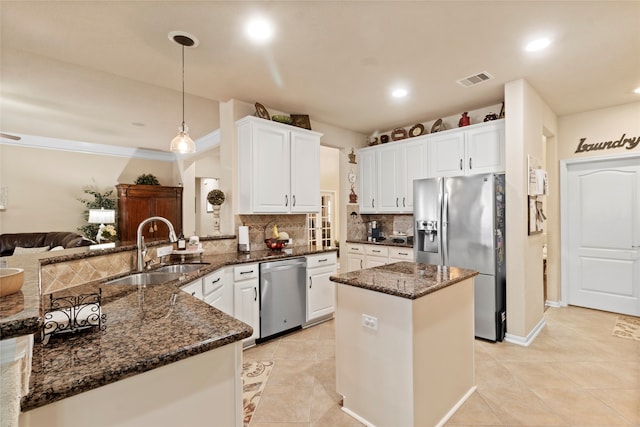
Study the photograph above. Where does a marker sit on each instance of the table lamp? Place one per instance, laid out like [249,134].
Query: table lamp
[101,216]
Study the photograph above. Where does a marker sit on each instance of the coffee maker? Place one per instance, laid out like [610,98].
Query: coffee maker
[374,231]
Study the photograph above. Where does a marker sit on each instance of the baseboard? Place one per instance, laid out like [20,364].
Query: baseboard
[526,341]
[555,304]
[357,417]
[457,406]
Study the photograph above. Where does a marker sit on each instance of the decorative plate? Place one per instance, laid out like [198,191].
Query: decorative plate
[262,112]
[398,133]
[437,126]
[384,139]
[416,130]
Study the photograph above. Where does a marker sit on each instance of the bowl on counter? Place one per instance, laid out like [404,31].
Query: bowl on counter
[11,280]
[275,244]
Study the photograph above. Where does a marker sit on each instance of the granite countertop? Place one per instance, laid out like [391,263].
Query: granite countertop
[387,242]
[143,331]
[405,279]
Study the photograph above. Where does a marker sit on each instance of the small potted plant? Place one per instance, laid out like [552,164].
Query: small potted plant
[147,179]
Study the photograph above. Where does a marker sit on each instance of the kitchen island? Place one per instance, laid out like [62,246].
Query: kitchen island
[404,343]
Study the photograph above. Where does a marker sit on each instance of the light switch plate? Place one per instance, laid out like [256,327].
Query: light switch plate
[164,250]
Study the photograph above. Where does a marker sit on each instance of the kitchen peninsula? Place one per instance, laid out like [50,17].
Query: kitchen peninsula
[404,343]
[164,357]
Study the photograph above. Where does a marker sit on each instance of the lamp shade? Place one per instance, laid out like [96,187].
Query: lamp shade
[183,143]
[102,216]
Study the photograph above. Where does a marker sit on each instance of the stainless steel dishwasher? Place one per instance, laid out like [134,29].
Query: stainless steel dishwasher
[283,297]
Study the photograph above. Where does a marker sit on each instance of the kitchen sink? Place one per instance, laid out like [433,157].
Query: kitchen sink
[154,278]
[180,268]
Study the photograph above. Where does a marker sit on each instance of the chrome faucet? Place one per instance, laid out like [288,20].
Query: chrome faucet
[142,248]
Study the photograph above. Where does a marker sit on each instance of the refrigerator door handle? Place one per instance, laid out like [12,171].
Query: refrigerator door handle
[445,230]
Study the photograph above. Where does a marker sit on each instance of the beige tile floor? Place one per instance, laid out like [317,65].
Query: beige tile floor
[574,374]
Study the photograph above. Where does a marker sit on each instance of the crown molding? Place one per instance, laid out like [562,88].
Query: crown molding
[205,143]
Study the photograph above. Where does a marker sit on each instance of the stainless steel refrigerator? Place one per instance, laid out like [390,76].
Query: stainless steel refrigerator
[459,222]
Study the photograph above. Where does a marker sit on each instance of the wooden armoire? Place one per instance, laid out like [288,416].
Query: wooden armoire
[139,202]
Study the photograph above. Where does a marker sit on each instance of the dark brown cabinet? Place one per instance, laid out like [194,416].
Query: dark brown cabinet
[139,202]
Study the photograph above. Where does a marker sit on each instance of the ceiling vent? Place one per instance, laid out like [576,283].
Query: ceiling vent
[475,79]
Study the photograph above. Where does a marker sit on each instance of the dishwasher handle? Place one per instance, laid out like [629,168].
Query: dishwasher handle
[288,264]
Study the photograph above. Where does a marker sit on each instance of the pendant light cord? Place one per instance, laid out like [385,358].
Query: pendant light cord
[182,88]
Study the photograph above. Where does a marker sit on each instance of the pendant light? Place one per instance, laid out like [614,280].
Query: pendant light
[182,143]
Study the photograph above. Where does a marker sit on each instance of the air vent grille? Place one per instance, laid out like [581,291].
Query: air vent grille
[475,79]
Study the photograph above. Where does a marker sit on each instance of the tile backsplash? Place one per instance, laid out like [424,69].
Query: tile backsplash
[357,223]
[260,226]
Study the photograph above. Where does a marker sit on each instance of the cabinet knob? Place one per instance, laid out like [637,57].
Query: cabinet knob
[294,200]
[286,200]
[470,163]
[255,294]
[397,205]
[460,164]
[310,282]
[404,205]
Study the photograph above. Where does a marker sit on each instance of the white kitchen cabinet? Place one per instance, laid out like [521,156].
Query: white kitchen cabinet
[355,257]
[397,254]
[368,180]
[194,289]
[246,298]
[375,255]
[278,168]
[217,289]
[485,148]
[321,292]
[468,151]
[387,173]
[361,256]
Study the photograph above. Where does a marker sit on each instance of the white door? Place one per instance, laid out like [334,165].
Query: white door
[604,235]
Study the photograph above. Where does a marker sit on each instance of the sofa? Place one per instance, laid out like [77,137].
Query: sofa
[41,242]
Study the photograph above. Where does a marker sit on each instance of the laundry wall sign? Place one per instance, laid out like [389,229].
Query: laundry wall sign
[627,142]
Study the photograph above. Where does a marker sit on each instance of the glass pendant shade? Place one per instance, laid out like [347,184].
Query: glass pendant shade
[182,143]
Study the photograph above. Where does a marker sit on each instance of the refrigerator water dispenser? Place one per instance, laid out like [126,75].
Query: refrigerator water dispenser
[427,235]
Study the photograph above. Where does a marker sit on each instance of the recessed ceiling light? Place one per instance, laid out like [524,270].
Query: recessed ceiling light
[259,30]
[637,90]
[537,45]
[399,93]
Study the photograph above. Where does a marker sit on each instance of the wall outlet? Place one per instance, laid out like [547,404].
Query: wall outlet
[164,250]
[370,322]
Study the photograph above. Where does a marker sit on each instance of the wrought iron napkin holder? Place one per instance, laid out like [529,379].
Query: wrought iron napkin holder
[70,314]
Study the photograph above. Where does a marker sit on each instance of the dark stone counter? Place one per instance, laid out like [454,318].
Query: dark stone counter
[405,279]
[143,329]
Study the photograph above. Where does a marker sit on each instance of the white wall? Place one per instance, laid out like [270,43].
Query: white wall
[44,185]
[528,118]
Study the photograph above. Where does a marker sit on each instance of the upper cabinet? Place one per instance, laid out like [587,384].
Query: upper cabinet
[278,168]
[468,151]
[387,171]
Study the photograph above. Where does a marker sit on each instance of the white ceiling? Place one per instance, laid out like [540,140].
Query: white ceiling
[106,72]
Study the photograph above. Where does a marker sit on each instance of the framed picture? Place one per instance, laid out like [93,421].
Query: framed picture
[301,121]
[262,112]
[536,216]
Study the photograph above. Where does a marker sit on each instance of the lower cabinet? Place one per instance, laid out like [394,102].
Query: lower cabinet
[321,292]
[217,290]
[361,256]
[246,298]
[355,257]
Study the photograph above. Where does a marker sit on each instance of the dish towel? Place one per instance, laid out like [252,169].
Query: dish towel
[15,370]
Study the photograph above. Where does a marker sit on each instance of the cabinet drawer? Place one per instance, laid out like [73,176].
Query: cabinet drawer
[353,248]
[194,288]
[244,272]
[375,250]
[327,258]
[213,282]
[405,254]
